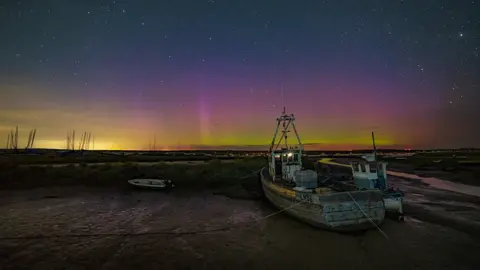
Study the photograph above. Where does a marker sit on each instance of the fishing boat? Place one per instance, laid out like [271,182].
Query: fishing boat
[297,191]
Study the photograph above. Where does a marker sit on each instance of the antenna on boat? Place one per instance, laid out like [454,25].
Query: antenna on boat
[374,147]
[284,123]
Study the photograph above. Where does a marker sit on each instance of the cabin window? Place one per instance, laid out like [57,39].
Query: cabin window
[362,168]
[354,167]
[295,157]
[373,168]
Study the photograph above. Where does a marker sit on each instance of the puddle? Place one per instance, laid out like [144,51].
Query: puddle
[441,184]
[415,198]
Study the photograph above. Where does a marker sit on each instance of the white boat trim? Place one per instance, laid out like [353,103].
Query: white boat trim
[151,183]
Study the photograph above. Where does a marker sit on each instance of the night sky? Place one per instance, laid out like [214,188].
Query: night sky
[209,73]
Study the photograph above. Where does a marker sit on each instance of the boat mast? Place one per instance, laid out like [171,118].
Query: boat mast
[285,121]
[374,147]
[284,132]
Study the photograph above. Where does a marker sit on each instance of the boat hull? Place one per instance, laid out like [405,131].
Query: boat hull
[148,183]
[337,211]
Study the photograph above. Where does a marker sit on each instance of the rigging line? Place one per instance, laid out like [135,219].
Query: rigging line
[226,228]
[376,226]
[137,234]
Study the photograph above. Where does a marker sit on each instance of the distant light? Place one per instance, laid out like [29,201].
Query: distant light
[290,154]
[461,34]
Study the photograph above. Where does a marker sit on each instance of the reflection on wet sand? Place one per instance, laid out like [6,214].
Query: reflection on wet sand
[441,184]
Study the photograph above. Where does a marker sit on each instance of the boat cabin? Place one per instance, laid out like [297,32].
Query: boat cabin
[369,174]
[284,163]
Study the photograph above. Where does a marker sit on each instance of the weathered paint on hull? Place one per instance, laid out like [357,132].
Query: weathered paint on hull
[336,211]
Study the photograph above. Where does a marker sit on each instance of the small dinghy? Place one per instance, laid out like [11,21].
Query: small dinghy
[151,183]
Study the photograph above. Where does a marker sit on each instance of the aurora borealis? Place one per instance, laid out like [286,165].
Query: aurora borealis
[208,73]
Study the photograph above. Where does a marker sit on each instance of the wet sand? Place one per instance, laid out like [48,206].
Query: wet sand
[91,228]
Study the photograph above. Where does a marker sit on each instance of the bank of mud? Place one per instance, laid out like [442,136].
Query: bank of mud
[93,228]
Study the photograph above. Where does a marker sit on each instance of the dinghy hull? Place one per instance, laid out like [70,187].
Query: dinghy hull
[150,183]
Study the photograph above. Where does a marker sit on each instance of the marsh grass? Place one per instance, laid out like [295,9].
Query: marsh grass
[87,157]
[214,174]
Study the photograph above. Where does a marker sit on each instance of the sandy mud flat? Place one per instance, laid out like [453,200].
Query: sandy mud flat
[92,228]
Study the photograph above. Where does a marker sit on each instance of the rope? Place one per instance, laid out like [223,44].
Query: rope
[142,233]
[226,228]
[364,213]
[374,224]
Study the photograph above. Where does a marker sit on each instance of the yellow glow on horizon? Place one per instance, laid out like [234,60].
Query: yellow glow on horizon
[133,142]
[136,133]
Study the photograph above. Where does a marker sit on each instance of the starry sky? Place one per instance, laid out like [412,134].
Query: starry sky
[200,74]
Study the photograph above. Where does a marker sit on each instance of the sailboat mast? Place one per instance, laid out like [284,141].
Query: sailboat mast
[374,147]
